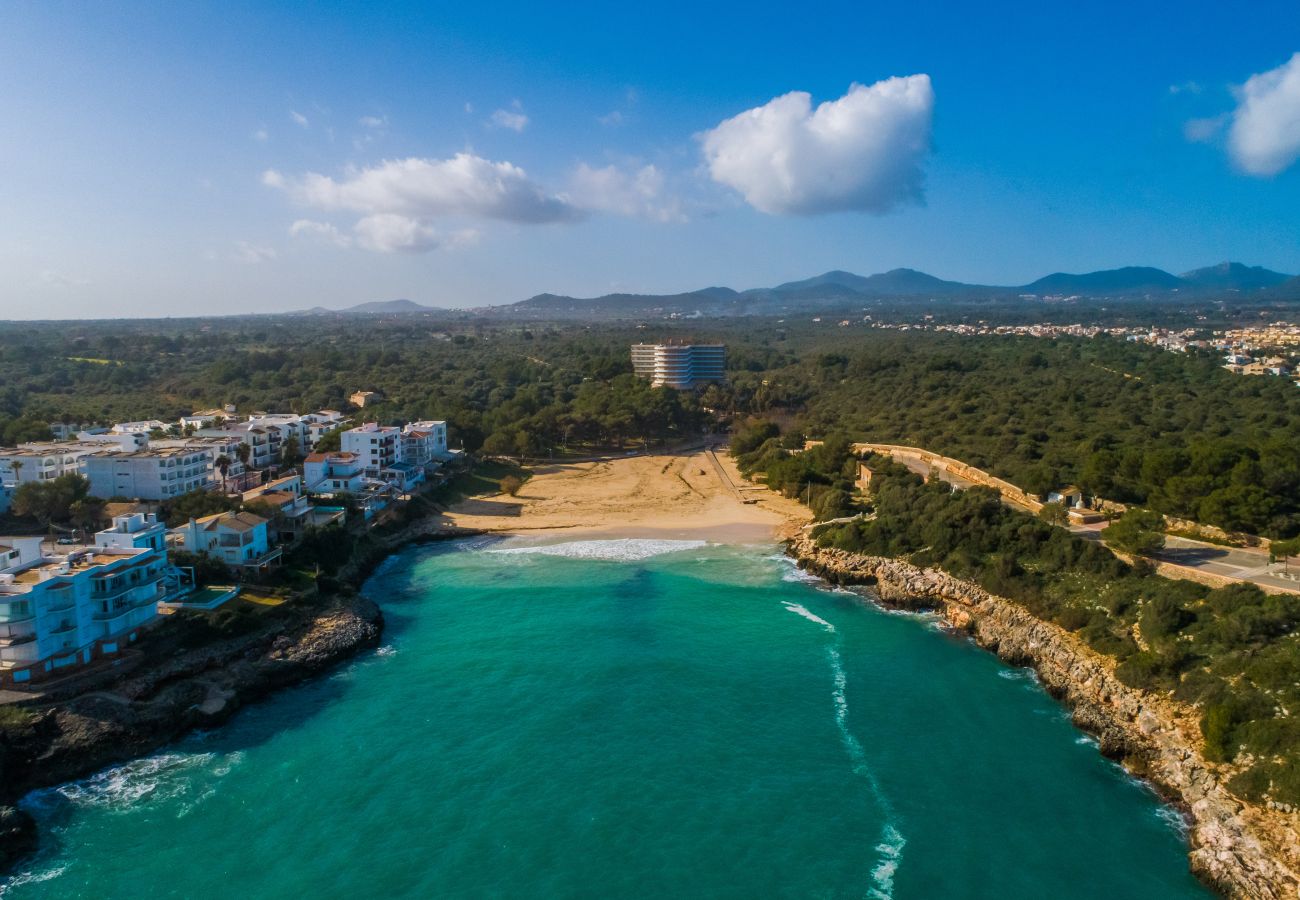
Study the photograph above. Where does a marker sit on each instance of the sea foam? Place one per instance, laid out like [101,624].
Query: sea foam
[799,610]
[616,550]
[122,787]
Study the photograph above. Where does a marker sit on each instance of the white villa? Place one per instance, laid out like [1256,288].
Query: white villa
[239,539]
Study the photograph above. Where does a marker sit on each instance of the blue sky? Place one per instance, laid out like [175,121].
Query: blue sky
[181,159]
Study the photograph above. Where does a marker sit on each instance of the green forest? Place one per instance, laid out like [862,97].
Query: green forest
[1126,422]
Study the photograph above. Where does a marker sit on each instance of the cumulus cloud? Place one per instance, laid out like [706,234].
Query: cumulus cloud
[392,233]
[298,118]
[862,152]
[261,135]
[322,231]
[514,119]
[1264,138]
[612,189]
[465,185]
[373,121]
[253,254]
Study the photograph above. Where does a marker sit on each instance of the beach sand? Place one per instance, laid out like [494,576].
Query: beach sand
[693,495]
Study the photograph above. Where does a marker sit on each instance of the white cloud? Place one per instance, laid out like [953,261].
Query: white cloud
[373,121]
[1265,135]
[253,253]
[465,185]
[261,135]
[611,119]
[51,278]
[512,119]
[622,192]
[862,152]
[322,231]
[1187,87]
[391,233]
[298,118]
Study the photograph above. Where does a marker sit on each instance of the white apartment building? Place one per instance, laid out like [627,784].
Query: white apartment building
[44,461]
[58,611]
[424,442]
[237,476]
[260,452]
[207,418]
[142,427]
[153,474]
[319,423]
[280,427]
[680,365]
[378,447]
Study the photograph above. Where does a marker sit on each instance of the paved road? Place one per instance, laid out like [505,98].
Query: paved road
[1239,563]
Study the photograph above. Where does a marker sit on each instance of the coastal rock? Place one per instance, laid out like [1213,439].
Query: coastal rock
[18,836]
[1239,848]
[200,688]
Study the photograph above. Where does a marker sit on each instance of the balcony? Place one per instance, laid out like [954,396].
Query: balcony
[100,596]
[17,632]
[28,651]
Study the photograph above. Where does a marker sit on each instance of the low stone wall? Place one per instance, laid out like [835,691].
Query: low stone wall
[958,468]
[1241,849]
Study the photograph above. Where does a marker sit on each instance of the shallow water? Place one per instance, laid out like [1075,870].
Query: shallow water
[625,719]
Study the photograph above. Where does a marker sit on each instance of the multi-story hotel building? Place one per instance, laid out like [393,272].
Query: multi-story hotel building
[680,365]
[150,474]
[62,610]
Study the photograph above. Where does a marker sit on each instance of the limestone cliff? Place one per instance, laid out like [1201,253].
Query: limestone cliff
[1242,849]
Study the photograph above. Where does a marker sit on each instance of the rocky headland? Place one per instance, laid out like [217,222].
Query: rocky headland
[1239,848]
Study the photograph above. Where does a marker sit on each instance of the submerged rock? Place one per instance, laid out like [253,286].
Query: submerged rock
[18,836]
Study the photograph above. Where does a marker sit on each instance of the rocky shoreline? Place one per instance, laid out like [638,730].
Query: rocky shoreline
[197,689]
[1240,849]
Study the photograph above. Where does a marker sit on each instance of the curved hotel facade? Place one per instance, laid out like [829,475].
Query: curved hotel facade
[681,366]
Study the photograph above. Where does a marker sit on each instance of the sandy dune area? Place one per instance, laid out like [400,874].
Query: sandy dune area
[692,495]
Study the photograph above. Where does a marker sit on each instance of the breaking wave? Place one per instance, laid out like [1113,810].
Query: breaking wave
[889,851]
[616,550]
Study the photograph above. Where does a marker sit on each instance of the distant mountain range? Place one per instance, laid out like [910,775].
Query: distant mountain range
[373,308]
[840,289]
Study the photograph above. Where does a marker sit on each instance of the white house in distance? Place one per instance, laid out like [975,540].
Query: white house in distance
[239,539]
[153,474]
[58,611]
[142,427]
[319,423]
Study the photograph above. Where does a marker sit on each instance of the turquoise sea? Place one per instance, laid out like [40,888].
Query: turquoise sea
[624,719]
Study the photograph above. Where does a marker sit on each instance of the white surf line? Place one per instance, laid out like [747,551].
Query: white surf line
[889,852]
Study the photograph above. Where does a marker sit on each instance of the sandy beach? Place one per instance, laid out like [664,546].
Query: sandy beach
[696,495]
